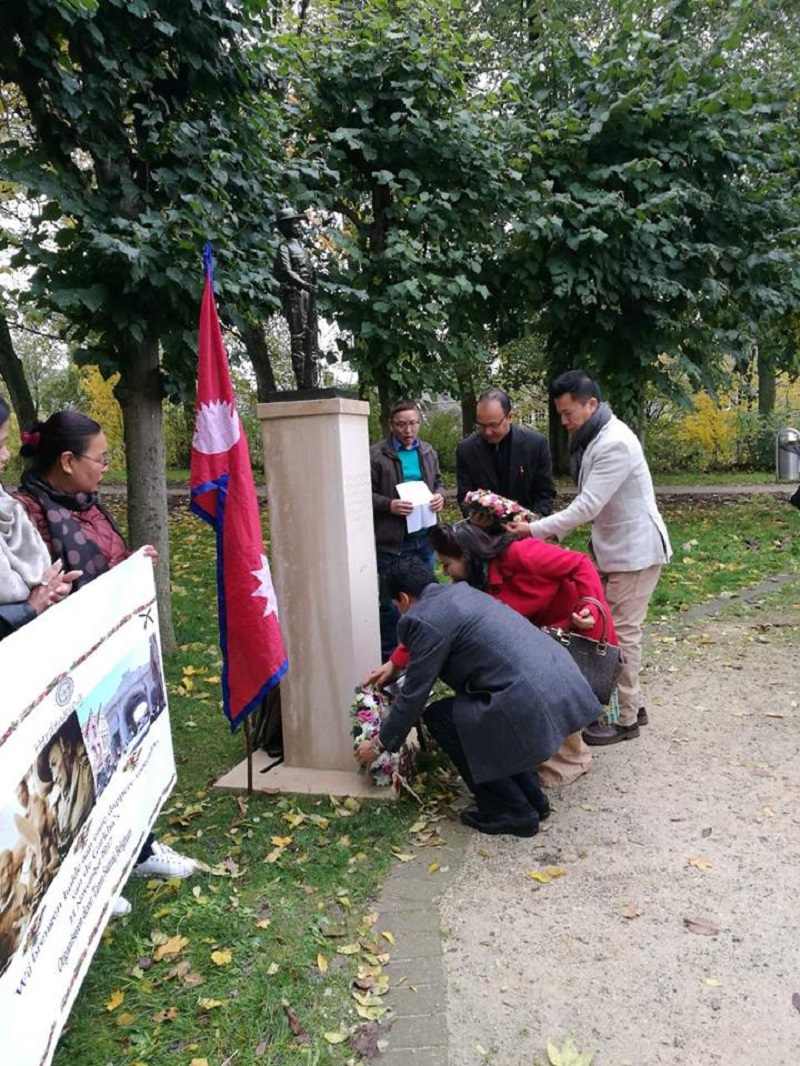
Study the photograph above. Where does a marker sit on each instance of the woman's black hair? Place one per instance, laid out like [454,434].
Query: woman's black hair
[5,412]
[64,431]
[474,545]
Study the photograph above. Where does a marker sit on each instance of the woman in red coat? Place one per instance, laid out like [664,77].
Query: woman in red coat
[542,581]
[67,457]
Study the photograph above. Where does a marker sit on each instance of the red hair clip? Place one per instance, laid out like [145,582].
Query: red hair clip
[31,439]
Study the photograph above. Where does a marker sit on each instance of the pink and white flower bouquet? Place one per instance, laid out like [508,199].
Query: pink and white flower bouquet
[490,505]
[368,710]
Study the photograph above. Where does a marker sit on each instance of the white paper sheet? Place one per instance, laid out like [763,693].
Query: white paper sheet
[418,493]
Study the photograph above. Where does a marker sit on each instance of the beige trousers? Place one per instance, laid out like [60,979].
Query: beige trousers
[628,594]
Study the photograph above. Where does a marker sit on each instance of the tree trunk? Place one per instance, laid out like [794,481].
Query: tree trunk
[140,396]
[255,342]
[13,375]
[469,403]
[766,382]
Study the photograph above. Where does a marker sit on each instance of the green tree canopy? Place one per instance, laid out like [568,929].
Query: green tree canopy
[411,181]
[147,131]
[660,166]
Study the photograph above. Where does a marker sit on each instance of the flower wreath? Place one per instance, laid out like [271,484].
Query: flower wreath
[368,711]
[491,505]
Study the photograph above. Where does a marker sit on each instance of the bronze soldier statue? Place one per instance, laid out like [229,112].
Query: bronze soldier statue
[295,272]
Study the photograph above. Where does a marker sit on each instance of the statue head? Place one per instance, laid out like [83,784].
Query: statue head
[288,221]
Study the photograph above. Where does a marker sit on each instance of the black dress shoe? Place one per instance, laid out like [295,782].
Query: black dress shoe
[610,734]
[494,825]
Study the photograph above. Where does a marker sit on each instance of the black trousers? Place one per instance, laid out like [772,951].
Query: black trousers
[517,796]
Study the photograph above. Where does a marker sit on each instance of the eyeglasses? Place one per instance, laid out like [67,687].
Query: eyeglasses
[102,461]
[490,425]
[406,425]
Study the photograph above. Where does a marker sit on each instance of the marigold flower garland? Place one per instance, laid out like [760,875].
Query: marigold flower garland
[368,710]
[491,505]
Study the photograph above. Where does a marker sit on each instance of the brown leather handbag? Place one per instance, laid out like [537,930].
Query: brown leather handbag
[600,662]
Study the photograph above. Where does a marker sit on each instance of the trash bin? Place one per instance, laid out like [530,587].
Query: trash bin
[787,454]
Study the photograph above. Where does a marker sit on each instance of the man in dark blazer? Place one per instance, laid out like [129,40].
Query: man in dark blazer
[505,458]
[518,694]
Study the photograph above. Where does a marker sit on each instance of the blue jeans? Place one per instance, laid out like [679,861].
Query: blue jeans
[389,615]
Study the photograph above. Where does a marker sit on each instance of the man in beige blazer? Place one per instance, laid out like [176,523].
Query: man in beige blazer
[629,539]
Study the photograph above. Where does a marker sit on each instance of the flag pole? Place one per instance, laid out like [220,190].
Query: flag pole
[248,740]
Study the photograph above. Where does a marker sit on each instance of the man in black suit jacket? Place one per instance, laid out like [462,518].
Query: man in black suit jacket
[505,458]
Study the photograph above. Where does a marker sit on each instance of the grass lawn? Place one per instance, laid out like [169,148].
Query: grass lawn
[254,962]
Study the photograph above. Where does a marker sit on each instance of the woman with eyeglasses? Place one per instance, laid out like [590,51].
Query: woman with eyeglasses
[67,456]
[29,582]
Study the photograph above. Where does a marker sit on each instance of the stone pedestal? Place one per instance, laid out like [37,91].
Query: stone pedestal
[322,552]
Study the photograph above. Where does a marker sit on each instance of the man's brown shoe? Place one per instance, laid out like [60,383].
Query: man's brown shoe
[610,734]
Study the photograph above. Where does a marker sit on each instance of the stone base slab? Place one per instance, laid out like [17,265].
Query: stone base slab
[304,781]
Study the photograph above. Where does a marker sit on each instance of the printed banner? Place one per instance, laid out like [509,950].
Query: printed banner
[85,765]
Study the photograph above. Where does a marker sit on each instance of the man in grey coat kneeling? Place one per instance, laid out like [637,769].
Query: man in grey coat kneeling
[517,694]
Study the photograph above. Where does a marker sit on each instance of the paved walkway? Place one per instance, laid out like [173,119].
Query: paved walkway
[768,487]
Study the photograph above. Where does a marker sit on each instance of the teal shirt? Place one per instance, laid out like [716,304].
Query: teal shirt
[409,460]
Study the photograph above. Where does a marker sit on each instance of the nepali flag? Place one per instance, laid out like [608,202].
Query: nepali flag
[224,494]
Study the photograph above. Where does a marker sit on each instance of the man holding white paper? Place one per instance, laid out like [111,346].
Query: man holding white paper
[406,497]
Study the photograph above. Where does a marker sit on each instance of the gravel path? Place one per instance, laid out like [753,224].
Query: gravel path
[667,932]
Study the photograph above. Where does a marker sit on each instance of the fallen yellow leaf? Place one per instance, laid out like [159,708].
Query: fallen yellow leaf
[712,981]
[221,958]
[263,923]
[388,936]
[434,866]
[272,969]
[174,946]
[322,964]
[699,863]
[568,1055]
[544,877]
[335,1038]
[280,842]
[125,1018]
[210,1004]
[349,949]
[115,1000]
[370,1013]
[293,820]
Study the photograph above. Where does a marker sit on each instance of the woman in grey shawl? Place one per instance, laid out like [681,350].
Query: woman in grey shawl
[29,582]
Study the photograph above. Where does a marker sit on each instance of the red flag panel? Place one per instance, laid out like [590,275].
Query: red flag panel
[223,493]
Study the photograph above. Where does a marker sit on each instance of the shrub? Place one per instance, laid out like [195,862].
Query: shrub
[442,429]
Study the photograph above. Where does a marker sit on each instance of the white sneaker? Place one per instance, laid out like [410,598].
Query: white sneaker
[120,907]
[166,863]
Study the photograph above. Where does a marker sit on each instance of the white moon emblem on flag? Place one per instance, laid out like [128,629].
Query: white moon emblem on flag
[217,428]
[266,589]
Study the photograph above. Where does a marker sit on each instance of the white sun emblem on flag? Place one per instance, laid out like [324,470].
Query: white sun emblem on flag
[217,428]
[265,587]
